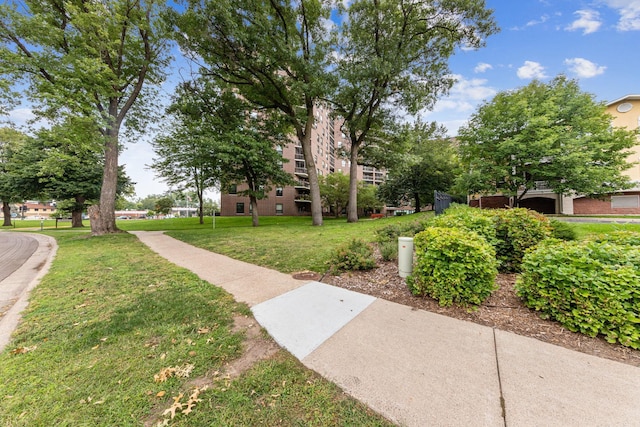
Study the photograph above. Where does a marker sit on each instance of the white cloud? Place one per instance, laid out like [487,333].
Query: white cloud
[531,70]
[629,11]
[482,67]
[588,21]
[542,20]
[584,68]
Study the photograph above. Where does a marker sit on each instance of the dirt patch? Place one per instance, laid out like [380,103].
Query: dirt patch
[257,346]
[503,310]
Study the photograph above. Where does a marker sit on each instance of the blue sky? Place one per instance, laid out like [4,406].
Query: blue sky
[592,41]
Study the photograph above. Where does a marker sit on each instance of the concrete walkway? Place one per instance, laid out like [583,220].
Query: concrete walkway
[24,259]
[418,368]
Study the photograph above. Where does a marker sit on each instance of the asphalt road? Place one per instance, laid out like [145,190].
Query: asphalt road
[15,249]
[24,259]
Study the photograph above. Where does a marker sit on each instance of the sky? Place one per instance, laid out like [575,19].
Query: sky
[591,41]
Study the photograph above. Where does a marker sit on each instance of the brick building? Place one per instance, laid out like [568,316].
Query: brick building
[327,144]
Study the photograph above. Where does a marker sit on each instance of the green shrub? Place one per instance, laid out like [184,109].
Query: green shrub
[388,250]
[387,237]
[561,230]
[590,287]
[627,238]
[453,266]
[354,255]
[470,219]
[516,230]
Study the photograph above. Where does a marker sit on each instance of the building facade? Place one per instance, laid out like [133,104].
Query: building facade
[329,146]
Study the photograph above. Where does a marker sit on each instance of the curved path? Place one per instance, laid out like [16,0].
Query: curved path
[24,260]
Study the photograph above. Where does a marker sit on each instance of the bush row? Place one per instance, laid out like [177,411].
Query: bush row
[592,286]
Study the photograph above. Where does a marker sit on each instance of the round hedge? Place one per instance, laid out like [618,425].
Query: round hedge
[589,287]
[453,266]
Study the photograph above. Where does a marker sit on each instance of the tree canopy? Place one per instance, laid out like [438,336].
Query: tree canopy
[420,160]
[275,54]
[85,59]
[551,133]
[394,55]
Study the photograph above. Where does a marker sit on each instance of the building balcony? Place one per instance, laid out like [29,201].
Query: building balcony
[302,172]
[303,198]
[302,185]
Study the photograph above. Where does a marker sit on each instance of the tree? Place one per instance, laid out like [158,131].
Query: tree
[394,54]
[187,154]
[163,206]
[334,189]
[217,139]
[427,162]
[90,59]
[274,54]
[553,133]
[368,199]
[63,163]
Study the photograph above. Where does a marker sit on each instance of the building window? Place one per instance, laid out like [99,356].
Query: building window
[624,202]
[233,189]
[279,209]
[239,208]
[279,191]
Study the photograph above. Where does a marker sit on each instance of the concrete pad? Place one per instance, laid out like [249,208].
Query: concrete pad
[304,318]
[547,385]
[20,282]
[247,283]
[416,368]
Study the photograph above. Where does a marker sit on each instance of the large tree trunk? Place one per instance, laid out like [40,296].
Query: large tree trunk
[416,197]
[103,217]
[255,217]
[305,140]
[6,213]
[352,206]
[76,213]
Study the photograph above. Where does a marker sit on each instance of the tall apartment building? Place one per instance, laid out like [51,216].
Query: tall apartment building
[328,143]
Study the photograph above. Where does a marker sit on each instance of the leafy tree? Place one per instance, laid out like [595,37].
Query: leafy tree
[85,58]
[334,189]
[368,199]
[394,54]
[274,54]
[427,162]
[64,162]
[220,139]
[550,132]
[163,206]
[187,154]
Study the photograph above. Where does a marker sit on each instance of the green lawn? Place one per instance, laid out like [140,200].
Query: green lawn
[110,315]
[286,244]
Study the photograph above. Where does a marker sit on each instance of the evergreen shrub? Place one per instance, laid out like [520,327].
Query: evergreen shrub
[453,266]
[588,286]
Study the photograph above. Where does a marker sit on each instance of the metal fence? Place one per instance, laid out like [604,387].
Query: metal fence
[442,201]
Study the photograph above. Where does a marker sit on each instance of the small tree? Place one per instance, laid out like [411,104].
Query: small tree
[334,189]
[164,205]
[544,132]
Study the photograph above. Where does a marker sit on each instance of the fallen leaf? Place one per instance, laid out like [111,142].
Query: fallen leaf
[203,330]
[161,393]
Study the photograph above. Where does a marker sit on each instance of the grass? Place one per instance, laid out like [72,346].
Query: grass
[584,229]
[286,244]
[110,315]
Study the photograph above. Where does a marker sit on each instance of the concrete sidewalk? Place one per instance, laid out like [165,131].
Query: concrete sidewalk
[415,367]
